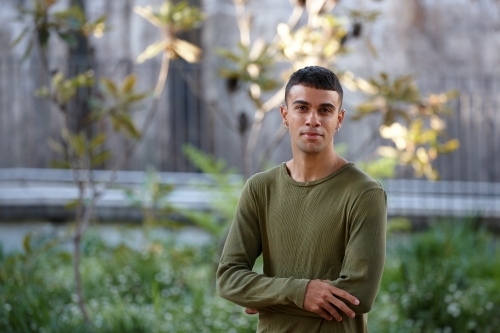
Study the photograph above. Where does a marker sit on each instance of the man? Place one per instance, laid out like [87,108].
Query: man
[318,221]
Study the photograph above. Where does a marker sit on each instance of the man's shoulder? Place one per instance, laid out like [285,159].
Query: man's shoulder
[265,178]
[359,181]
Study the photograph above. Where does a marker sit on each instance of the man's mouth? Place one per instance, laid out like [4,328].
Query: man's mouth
[311,135]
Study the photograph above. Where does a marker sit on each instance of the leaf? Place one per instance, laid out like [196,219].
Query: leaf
[147,13]
[27,243]
[97,141]
[70,205]
[69,38]
[101,157]
[77,142]
[56,146]
[65,133]
[151,51]
[110,86]
[129,84]
[450,146]
[228,54]
[42,92]
[189,52]
[125,121]
[136,97]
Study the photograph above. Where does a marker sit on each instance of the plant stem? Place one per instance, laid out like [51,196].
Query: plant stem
[84,216]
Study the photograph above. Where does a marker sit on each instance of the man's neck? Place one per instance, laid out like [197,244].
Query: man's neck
[311,167]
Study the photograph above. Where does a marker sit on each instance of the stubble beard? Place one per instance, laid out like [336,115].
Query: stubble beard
[311,148]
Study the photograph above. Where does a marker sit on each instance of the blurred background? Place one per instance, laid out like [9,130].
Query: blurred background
[128,128]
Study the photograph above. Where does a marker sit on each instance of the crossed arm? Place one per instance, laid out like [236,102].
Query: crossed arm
[360,273]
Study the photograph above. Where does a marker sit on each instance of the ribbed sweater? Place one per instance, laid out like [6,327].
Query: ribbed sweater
[331,229]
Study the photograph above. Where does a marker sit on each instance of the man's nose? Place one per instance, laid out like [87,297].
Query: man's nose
[312,119]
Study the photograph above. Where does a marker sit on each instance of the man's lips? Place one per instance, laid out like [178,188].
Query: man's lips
[311,135]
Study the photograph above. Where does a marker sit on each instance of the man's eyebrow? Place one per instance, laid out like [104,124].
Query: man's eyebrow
[325,105]
[299,101]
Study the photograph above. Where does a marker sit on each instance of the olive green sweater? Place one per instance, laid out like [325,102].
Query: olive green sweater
[330,229]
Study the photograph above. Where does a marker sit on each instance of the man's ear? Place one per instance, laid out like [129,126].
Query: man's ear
[341,116]
[284,114]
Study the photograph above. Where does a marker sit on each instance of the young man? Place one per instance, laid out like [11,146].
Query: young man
[318,221]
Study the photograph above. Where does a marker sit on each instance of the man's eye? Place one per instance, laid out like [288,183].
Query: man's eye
[301,107]
[326,110]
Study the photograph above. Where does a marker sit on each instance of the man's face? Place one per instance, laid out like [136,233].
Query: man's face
[312,115]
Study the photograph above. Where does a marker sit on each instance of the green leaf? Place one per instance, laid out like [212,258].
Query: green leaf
[97,141]
[77,142]
[43,92]
[27,243]
[69,38]
[129,83]
[101,157]
[136,97]
[70,205]
[125,121]
[110,86]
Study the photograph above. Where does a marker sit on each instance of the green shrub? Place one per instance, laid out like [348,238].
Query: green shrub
[444,280]
[164,287]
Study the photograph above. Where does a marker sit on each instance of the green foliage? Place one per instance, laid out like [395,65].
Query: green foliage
[172,19]
[63,90]
[252,66]
[414,124]
[380,168]
[41,22]
[224,195]
[443,280]
[152,199]
[318,44]
[117,102]
[164,287]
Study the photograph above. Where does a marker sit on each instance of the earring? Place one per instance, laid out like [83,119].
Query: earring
[337,129]
[286,126]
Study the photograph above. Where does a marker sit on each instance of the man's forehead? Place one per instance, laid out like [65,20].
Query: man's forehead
[313,95]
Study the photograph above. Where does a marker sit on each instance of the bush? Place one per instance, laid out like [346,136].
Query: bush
[162,288]
[444,280]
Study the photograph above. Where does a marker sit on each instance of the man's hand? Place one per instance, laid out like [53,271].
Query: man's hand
[320,298]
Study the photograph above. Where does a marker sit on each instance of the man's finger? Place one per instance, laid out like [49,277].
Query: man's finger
[342,307]
[344,294]
[332,311]
[251,311]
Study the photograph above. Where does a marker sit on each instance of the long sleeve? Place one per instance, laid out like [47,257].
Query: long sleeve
[364,258]
[236,281]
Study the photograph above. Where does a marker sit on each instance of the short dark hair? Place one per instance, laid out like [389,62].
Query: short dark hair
[315,77]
